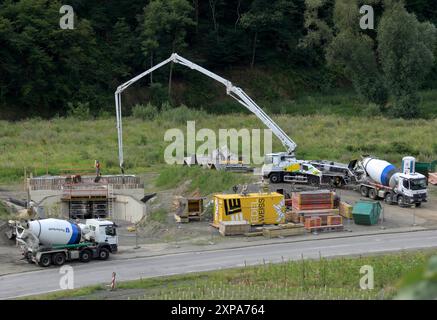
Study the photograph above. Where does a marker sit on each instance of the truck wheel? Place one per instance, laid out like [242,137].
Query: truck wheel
[85,256]
[28,257]
[275,178]
[314,181]
[372,194]
[103,254]
[59,259]
[336,182]
[401,201]
[364,191]
[45,260]
[388,198]
[418,204]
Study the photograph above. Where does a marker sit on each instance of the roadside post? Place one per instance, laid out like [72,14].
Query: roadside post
[414,217]
[136,238]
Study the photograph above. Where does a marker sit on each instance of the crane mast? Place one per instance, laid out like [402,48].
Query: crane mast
[233,91]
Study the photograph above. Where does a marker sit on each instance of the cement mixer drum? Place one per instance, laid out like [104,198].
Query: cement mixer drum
[55,231]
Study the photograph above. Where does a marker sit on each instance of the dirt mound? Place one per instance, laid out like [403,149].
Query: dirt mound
[4,241]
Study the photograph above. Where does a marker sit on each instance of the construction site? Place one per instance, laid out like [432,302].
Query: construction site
[286,198]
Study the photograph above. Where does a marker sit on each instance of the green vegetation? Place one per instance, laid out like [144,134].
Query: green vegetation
[69,294]
[69,143]
[275,49]
[388,65]
[207,181]
[337,278]
[421,284]
[159,215]
[4,213]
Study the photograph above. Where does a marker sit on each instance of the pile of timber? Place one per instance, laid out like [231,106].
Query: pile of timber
[316,210]
[313,200]
[432,178]
[345,210]
[283,230]
[234,228]
[299,216]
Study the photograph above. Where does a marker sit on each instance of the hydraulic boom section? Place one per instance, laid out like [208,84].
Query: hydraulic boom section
[233,91]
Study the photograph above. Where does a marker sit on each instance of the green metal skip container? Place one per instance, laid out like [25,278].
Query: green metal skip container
[426,167]
[366,212]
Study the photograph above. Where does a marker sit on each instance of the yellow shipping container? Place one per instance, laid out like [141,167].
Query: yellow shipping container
[255,208]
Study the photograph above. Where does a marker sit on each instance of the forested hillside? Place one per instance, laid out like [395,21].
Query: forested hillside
[278,50]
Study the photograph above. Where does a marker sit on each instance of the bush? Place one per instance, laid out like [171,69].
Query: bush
[181,114]
[158,94]
[372,110]
[80,111]
[225,107]
[406,106]
[148,112]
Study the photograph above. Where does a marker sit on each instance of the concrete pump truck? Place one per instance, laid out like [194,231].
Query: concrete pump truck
[278,167]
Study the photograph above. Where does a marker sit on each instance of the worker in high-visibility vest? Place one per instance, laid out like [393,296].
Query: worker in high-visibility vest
[97,166]
[98,174]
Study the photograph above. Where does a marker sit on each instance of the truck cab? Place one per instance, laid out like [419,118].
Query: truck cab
[413,188]
[102,232]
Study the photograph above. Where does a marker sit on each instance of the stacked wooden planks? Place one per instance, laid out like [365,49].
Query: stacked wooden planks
[432,178]
[334,220]
[346,210]
[313,200]
[316,210]
[283,230]
[234,228]
[312,222]
[301,215]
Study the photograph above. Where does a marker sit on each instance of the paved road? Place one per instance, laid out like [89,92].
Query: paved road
[36,282]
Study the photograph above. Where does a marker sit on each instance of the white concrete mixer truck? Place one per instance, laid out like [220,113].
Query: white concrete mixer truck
[55,241]
[379,179]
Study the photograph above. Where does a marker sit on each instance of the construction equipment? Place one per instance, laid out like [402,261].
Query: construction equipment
[219,159]
[55,241]
[380,179]
[255,208]
[279,166]
[334,173]
[188,209]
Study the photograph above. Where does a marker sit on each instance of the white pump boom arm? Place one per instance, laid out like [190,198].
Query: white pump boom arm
[235,92]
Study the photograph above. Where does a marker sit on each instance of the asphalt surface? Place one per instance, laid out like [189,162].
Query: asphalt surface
[43,281]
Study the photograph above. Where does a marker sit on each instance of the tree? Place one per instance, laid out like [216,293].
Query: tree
[387,64]
[267,17]
[123,49]
[42,65]
[352,52]
[406,49]
[319,32]
[165,27]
